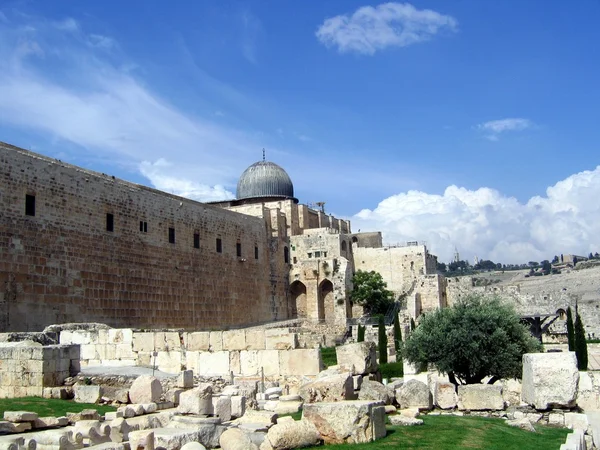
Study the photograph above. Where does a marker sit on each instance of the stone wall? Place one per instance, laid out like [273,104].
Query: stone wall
[245,352]
[399,266]
[26,367]
[99,249]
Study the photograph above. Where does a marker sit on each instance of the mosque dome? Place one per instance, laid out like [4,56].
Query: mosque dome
[264,179]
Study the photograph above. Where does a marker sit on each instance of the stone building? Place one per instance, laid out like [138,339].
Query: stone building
[81,246]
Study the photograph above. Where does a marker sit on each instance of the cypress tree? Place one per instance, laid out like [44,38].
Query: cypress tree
[397,334]
[580,344]
[360,335]
[412,324]
[570,330]
[383,354]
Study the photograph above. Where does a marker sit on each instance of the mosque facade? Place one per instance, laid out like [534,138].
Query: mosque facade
[81,246]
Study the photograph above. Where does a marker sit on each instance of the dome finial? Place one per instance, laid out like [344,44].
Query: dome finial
[263,154]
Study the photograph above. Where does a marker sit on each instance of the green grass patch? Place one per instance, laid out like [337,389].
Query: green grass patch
[328,356]
[46,407]
[454,433]
[295,416]
[393,369]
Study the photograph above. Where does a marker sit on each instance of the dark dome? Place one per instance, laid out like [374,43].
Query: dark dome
[264,179]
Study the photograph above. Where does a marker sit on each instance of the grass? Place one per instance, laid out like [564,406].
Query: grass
[329,357]
[453,433]
[46,407]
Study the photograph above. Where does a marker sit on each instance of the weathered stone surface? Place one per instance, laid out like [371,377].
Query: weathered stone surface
[236,439]
[300,361]
[511,392]
[283,408]
[86,414]
[238,406]
[576,421]
[358,358]
[277,390]
[175,439]
[50,422]
[588,398]
[350,421]
[414,394]
[480,397]
[390,409]
[193,446]
[145,389]
[444,395]
[222,407]
[186,379]
[87,394]
[293,434]
[523,424]
[374,390]
[142,440]
[197,400]
[404,421]
[409,412]
[20,416]
[333,388]
[264,418]
[10,427]
[550,379]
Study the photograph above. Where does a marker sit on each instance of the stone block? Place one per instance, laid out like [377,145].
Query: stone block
[374,390]
[197,341]
[576,421]
[192,361]
[197,400]
[222,407]
[511,392]
[238,405]
[185,379]
[587,397]
[333,388]
[285,408]
[10,427]
[141,439]
[87,393]
[351,422]
[124,351]
[143,342]
[120,336]
[293,434]
[444,395]
[480,397]
[88,351]
[255,340]
[145,389]
[169,361]
[20,416]
[280,339]
[216,341]
[359,358]
[213,363]
[414,394]
[235,364]
[234,340]
[550,379]
[251,362]
[236,439]
[300,362]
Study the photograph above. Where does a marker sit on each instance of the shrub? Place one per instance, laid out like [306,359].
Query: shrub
[360,335]
[382,341]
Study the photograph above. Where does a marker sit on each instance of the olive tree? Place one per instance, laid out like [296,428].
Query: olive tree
[476,338]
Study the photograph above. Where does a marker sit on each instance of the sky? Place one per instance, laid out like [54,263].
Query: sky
[466,124]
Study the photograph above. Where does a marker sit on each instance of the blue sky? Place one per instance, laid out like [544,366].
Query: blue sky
[468,123]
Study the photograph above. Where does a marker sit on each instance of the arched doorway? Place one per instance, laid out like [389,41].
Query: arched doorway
[325,309]
[298,291]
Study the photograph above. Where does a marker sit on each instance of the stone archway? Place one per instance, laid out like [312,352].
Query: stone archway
[326,306]
[299,307]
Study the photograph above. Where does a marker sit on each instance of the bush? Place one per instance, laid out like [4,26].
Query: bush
[476,338]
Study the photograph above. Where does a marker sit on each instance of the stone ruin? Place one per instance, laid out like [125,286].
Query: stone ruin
[347,403]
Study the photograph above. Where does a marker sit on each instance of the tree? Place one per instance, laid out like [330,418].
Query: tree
[412,324]
[476,338]
[360,334]
[441,267]
[397,334]
[580,344]
[546,267]
[555,260]
[570,330]
[382,341]
[370,291]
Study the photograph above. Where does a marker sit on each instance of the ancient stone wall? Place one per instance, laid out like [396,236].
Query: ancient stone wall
[79,246]
[399,266]
[245,352]
[27,368]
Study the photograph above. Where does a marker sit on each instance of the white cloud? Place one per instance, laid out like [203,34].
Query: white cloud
[369,28]
[494,128]
[491,225]
[93,102]
[100,41]
[251,31]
